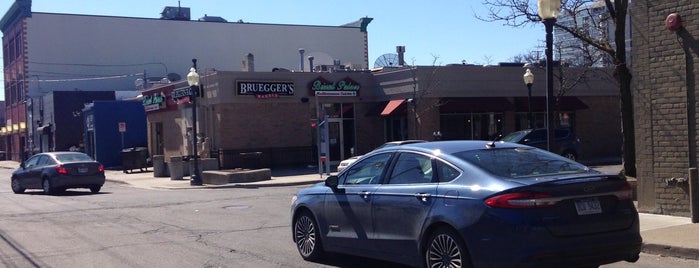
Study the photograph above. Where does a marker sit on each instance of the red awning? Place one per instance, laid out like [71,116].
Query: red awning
[391,106]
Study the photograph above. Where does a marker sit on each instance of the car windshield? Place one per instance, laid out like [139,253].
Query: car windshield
[514,136]
[521,162]
[75,157]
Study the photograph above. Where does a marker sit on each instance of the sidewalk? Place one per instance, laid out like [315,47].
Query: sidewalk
[662,235]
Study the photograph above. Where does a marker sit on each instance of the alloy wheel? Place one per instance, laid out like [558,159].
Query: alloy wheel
[307,238]
[444,251]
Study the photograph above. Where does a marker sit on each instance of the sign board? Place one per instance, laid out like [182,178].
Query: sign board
[122,127]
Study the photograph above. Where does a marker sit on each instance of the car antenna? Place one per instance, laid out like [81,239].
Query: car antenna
[491,144]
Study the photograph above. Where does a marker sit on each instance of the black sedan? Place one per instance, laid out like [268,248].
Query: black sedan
[469,204]
[57,171]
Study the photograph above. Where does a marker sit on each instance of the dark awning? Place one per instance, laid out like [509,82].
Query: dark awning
[476,104]
[565,103]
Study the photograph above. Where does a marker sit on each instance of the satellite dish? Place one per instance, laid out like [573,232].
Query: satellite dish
[386,60]
[173,77]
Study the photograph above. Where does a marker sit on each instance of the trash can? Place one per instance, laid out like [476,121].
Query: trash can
[159,168]
[176,167]
[134,158]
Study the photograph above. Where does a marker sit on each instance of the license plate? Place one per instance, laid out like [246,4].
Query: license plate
[82,170]
[588,206]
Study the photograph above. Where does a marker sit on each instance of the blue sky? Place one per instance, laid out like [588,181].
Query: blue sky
[445,29]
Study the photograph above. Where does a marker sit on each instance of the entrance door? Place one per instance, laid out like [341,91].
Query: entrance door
[335,139]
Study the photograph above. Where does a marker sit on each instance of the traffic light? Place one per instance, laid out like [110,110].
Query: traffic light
[314,123]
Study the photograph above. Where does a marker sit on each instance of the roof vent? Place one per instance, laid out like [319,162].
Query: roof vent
[175,13]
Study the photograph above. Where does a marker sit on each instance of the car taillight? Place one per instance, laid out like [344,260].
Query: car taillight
[521,200]
[625,193]
[100,168]
[61,170]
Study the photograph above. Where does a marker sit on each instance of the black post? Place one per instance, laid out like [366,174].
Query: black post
[530,117]
[195,179]
[548,23]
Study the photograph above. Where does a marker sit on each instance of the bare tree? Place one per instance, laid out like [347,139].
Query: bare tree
[419,103]
[518,13]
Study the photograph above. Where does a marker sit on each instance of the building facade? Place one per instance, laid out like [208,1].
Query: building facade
[665,104]
[273,112]
[46,52]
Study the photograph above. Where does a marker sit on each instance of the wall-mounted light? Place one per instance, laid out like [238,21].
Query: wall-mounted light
[673,22]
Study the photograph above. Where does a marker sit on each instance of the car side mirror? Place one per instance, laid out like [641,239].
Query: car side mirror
[21,165]
[332,182]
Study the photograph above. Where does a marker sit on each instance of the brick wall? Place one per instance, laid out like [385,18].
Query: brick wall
[663,97]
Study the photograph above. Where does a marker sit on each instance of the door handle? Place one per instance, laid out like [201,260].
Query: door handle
[365,194]
[423,196]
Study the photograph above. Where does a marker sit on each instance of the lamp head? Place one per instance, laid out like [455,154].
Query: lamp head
[193,77]
[549,9]
[528,77]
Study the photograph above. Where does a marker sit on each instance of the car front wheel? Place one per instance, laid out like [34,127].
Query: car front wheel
[307,237]
[16,187]
[445,249]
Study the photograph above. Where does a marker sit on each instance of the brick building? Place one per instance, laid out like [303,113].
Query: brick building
[665,103]
[239,112]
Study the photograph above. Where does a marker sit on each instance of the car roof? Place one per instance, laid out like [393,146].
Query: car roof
[453,146]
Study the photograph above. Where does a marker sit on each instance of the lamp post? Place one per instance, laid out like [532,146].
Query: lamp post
[529,80]
[548,11]
[193,81]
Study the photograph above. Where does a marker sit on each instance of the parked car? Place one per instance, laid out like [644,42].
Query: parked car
[566,143]
[469,204]
[344,163]
[57,171]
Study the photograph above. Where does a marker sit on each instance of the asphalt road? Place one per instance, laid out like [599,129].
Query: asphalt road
[129,227]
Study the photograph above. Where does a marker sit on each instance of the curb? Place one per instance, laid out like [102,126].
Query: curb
[670,251]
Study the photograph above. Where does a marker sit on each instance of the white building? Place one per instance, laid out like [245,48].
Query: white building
[45,52]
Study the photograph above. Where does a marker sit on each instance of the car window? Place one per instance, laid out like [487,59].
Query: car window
[446,172]
[521,162]
[537,135]
[44,160]
[31,162]
[74,157]
[368,170]
[411,168]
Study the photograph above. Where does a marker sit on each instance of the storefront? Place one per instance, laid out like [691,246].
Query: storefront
[273,113]
[295,118]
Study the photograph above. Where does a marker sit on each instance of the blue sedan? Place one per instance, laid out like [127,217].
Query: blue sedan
[469,204]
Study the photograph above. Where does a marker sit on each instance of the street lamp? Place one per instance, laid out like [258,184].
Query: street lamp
[529,80]
[193,81]
[548,11]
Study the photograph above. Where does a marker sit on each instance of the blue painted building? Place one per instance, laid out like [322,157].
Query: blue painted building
[111,126]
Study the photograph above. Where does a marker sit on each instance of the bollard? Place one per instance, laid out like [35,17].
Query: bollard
[694,195]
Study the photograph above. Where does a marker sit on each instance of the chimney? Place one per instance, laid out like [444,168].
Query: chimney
[310,63]
[249,63]
[401,55]
[301,51]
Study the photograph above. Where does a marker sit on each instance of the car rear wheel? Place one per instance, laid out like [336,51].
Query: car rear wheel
[46,186]
[307,237]
[445,249]
[16,187]
[95,189]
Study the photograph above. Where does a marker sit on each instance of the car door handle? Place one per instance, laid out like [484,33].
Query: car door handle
[423,196]
[365,194]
